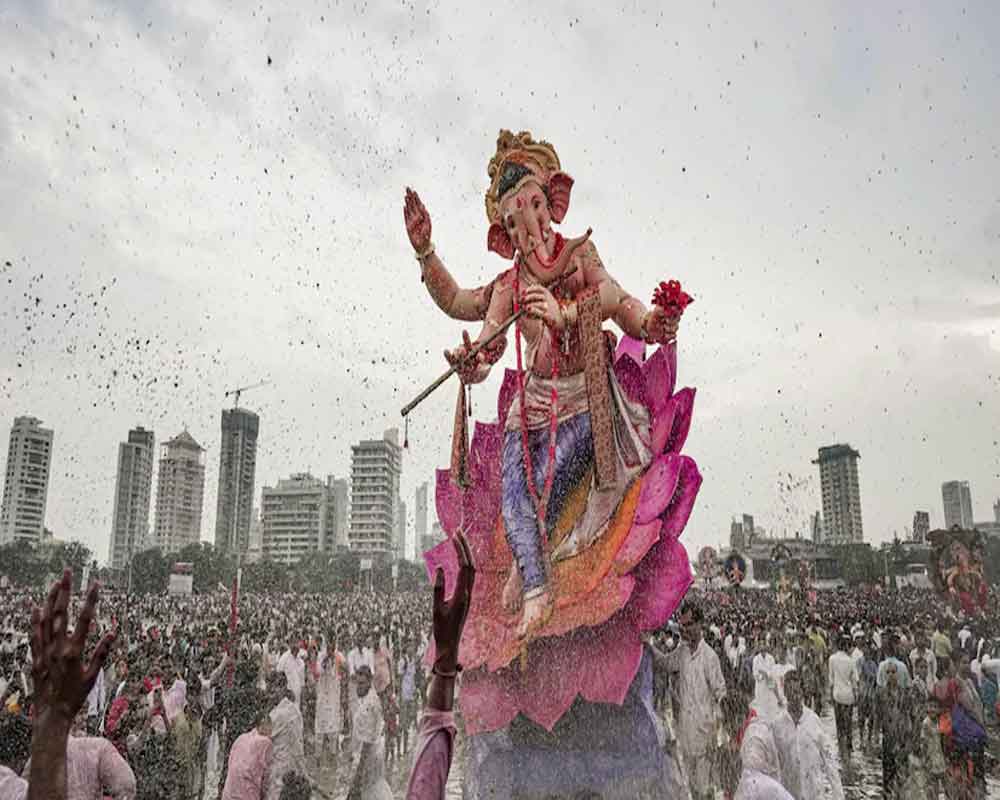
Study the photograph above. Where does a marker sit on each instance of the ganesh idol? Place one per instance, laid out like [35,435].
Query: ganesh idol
[573,499]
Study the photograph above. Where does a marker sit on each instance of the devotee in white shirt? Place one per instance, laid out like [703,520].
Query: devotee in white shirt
[700,687]
[767,698]
[809,770]
[294,670]
[760,778]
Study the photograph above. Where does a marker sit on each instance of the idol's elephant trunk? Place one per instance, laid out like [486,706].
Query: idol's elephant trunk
[562,256]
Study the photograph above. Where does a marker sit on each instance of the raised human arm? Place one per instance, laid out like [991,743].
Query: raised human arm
[219,670]
[62,683]
[449,620]
[458,303]
[436,730]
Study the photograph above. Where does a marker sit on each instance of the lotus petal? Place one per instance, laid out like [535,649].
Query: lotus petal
[659,378]
[664,577]
[631,348]
[684,406]
[658,485]
[663,425]
[676,516]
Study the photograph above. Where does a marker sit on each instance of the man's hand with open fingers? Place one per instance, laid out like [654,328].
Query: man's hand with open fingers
[450,615]
[62,677]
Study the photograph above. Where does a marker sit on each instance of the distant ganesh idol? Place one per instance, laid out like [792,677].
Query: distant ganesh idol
[572,500]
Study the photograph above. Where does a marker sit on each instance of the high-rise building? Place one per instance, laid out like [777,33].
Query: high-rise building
[921,526]
[237,463]
[749,530]
[26,483]
[338,512]
[996,511]
[133,489]
[401,531]
[737,540]
[816,525]
[957,504]
[838,475]
[255,547]
[296,517]
[430,540]
[420,516]
[180,494]
[376,467]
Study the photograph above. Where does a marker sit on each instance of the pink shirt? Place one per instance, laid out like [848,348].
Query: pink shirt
[249,767]
[435,736]
[91,763]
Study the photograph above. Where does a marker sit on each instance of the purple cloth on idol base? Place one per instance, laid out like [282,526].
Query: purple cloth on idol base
[596,749]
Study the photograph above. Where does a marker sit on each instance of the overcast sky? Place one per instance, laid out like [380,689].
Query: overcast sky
[199,196]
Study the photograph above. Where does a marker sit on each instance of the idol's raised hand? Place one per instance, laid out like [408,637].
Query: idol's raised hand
[661,327]
[418,221]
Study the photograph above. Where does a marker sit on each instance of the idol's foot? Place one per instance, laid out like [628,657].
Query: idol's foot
[511,597]
[538,610]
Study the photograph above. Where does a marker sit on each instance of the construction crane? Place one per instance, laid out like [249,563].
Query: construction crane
[237,392]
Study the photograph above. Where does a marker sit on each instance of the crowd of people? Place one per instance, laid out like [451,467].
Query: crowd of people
[190,706]
[747,677]
[303,688]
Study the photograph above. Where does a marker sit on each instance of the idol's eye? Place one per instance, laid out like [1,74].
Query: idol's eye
[538,202]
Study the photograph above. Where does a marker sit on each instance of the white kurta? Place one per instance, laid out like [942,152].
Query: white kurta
[761,765]
[295,673]
[288,750]
[808,768]
[369,728]
[766,692]
[699,687]
[843,678]
[329,719]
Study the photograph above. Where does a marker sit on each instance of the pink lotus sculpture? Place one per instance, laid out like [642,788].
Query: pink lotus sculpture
[591,646]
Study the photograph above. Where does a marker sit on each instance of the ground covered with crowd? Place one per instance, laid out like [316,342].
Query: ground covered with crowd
[278,697]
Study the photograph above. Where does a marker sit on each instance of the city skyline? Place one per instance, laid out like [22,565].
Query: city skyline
[787,167]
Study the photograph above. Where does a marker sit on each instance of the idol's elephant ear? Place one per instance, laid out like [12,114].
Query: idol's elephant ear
[560,185]
[498,241]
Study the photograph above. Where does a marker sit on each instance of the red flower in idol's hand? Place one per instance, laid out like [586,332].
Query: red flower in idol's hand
[671,298]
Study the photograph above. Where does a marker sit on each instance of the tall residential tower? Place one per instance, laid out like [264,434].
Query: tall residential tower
[376,467]
[237,464]
[26,483]
[133,488]
[180,494]
[957,501]
[838,475]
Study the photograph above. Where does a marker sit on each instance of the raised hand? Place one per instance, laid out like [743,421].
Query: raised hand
[470,370]
[62,680]
[450,615]
[418,221]
[661,328]
[540,304]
